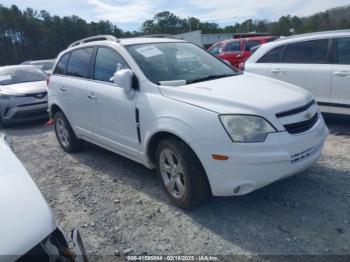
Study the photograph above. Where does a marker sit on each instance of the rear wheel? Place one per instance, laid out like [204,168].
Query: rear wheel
[65,134]
[181,173]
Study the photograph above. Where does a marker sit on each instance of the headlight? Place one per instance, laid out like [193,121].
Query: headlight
[246,128]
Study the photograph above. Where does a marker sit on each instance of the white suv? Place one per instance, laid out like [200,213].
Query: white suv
[318,62]
[170,105]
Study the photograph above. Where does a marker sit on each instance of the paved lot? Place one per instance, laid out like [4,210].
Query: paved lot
[119,205]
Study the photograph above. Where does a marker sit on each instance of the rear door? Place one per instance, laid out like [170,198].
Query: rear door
[75,89]
[340,97]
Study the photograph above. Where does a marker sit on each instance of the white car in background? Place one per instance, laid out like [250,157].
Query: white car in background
[28,229]
[165,103]
[318,62]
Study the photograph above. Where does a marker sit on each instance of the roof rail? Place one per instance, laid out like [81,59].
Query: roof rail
[161,36]
[95,38]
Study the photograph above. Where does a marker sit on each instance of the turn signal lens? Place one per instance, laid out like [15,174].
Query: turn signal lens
[220,157]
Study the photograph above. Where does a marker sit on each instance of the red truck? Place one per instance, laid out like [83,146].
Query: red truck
[237,51]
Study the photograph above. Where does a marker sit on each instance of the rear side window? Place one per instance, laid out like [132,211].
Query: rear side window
[79,63]
[343,46]
[272,56]
[233,46]
[310,52]
[250,44]
[106,64]
[61,66]
[216,50]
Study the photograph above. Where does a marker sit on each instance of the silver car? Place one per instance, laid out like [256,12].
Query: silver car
[23,94]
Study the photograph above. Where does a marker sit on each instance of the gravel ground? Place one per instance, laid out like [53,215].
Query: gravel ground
[120,207]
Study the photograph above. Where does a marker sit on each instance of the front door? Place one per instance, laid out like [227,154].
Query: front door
[112,110]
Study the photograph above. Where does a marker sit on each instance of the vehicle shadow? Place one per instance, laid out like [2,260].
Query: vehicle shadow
[304,214]
[27,128]
[338,124]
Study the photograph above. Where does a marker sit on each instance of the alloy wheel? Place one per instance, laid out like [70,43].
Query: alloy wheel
[172,173]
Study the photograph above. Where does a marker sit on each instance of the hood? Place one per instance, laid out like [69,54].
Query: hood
[242,94]
[26,218]
[24,88]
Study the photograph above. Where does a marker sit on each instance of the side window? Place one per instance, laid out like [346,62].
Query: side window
[272,56]
[343,46]
[79,63]
[216,50]
[310,52]
[233,46]
[250,44]
[106,64]
[61,65]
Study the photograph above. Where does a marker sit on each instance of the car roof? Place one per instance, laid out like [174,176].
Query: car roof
[38,61]
[242,38]
[108,39]
[312,36]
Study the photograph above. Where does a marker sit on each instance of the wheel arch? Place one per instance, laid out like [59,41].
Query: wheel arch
[54,108]
[157,137]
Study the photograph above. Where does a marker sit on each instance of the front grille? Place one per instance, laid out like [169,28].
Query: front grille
[296,110]
[302,127]
[33,104]
[40,95]
[30,115]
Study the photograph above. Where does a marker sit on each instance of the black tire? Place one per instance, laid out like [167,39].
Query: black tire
[71,144]
[196,184]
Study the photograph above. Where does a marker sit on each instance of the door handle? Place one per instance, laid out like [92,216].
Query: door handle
[63,89]
[342,73]
[277,71]
[93,97]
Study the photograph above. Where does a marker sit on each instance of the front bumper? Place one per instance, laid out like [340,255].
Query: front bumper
[21,109]
[55,248]
[253,166]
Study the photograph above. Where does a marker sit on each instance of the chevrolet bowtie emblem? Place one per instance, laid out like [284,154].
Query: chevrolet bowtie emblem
[308,116]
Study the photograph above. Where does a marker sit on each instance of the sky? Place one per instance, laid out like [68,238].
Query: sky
[130,14]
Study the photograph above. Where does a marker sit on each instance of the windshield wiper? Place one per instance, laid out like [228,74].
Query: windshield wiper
[207,78]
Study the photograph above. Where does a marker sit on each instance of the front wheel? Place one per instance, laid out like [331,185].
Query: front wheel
[65,134]
[181,173]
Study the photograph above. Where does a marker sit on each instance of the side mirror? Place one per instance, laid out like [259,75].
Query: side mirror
[123,78]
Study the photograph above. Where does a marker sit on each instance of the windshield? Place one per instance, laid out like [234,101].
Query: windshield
[163,62]
[20,74]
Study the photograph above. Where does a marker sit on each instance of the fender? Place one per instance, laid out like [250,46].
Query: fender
[170,125]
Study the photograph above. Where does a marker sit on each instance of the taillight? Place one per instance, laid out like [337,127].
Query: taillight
[48,80]
[241,66]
